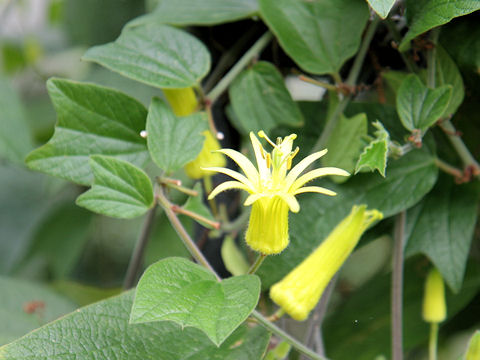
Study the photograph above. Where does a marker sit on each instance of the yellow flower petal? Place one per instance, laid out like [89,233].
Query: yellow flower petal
[234,174]
[227,185]
[302,180]
[315,189]
[246,165]
[292,202]
[301,166]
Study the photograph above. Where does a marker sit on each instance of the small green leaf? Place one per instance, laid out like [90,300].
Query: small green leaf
[195,204]
[173,141]
[194,12]
[178,290]
[155,54]
[233,257]
[374,155]
[345,143]
[441,227]
[424,15]
[26,306]
[420,107]
[15,141]
[101,331]
[92,120]
[381,7]
[319,35]
[120,189]
[261,100]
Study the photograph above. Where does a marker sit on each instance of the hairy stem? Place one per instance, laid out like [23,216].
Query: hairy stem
[257,263]
[397,286]
[223,84]
[137,256]
[332,120]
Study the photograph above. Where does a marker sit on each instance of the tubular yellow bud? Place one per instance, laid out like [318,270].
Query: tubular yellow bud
[208,157]
[473,351]
[183,101]
[301,289]
[434,307]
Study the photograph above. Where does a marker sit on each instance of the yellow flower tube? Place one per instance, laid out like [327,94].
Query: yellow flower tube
[299,292]
[183,103]
[434,307]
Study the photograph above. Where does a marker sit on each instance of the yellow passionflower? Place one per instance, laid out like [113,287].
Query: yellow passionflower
[299,291]
[272,187]
[434,306]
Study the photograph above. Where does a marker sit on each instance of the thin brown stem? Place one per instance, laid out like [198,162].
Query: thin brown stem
[397,287]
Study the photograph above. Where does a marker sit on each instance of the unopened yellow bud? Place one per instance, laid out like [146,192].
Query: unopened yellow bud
[434,307]
[183,101]
[301,289]
[208,157]
[473,351]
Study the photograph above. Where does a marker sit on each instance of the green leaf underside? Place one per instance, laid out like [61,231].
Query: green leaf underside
[345,143]
[381,7]
[114,338]
[91,120]
[194,12]
[15,141]
[195,204]
[408,180]
[17,294]
[120,189]
[173,141]
[374,155]
[420,107]
[363,320]
[319,35]
[427,14]
[441,227]
[261,100]
[155,54]
[178,290]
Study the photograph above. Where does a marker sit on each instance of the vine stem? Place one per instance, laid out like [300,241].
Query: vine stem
[397,286]
[137,255]
[432,344]
[198,256]
[223,84]
[449,169]
[258,262]
[334,115]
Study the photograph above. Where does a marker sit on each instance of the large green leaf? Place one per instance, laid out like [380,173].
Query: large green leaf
[381,7]
[15,141]
[178,290]
[420,107]
[408,180]
[155,54]
[26,306]
[441,227]
[318,35]
[261,100]
[345,143]
[194,12]
[173,141]
[363,321]
[91,120]
[424,15]
[102,331]
[60,239]
[120,189]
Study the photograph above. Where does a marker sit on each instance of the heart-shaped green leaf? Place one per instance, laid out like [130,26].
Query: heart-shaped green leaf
[319,35]
[420,107]
[102,331]
[155,54]
[92,120]
[120,189]
[261,100]
[173,141]
[178,290]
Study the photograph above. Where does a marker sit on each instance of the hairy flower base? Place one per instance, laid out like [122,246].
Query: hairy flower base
[301,289]
[268,227]
[434,307]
